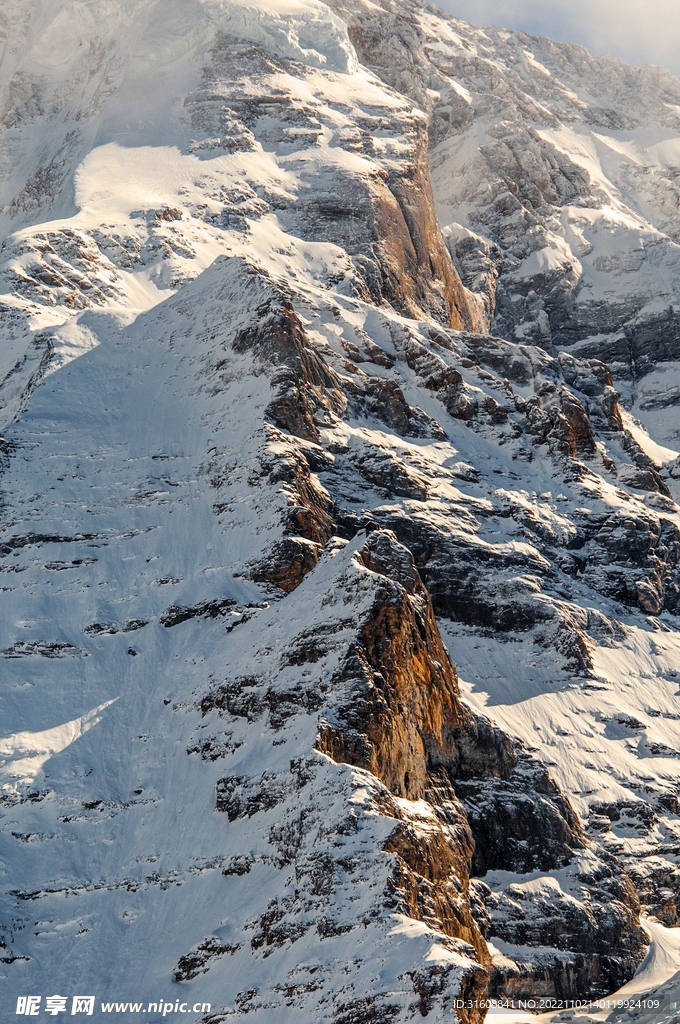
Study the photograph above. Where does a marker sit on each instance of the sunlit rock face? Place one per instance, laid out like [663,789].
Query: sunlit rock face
[340,547]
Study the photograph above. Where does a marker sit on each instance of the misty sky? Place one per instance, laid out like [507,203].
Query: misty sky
[640,31]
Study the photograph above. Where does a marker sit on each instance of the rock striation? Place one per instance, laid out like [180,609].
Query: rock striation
[340,549]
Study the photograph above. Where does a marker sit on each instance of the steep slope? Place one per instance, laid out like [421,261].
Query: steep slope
[174,806]
[262,461]
[556,177]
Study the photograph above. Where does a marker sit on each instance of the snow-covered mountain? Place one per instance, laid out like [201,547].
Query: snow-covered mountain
[340,548]
[557,177]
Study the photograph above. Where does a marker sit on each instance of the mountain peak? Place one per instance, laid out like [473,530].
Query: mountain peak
[340,544]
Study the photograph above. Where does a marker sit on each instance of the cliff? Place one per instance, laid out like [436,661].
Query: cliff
[340,546]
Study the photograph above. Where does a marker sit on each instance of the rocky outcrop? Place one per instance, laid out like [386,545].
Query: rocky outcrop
[401,717]
[385,218]
[287,563]
[520,820]
[317,479]
[562,944]
[306,389]
[523,217]
[427,278]
[402,694]
[424,269]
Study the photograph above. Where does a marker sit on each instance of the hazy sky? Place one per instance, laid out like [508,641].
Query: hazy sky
[640,31]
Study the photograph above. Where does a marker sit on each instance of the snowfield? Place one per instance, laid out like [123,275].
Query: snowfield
[334,338]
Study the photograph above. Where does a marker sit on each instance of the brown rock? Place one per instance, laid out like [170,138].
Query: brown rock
[400,716]
[403,686]
[304,385]
[431,876]
[310,504]
[288,563]
[427,278]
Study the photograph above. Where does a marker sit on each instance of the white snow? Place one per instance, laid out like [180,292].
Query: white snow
[658,453]
[140,479]
[660,964]
[26,753]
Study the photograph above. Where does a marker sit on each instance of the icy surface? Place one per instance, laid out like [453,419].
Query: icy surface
[159,164]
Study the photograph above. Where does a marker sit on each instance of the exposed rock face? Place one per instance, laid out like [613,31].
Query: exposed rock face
[305,388]
[401,718]
[398,701]
[401,684]
[425,276]
[248,530]
[404,717]
[520,820]
[525,214]
[591,945]
[385,220]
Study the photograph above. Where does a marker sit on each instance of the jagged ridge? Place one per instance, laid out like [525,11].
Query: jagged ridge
[307,425]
